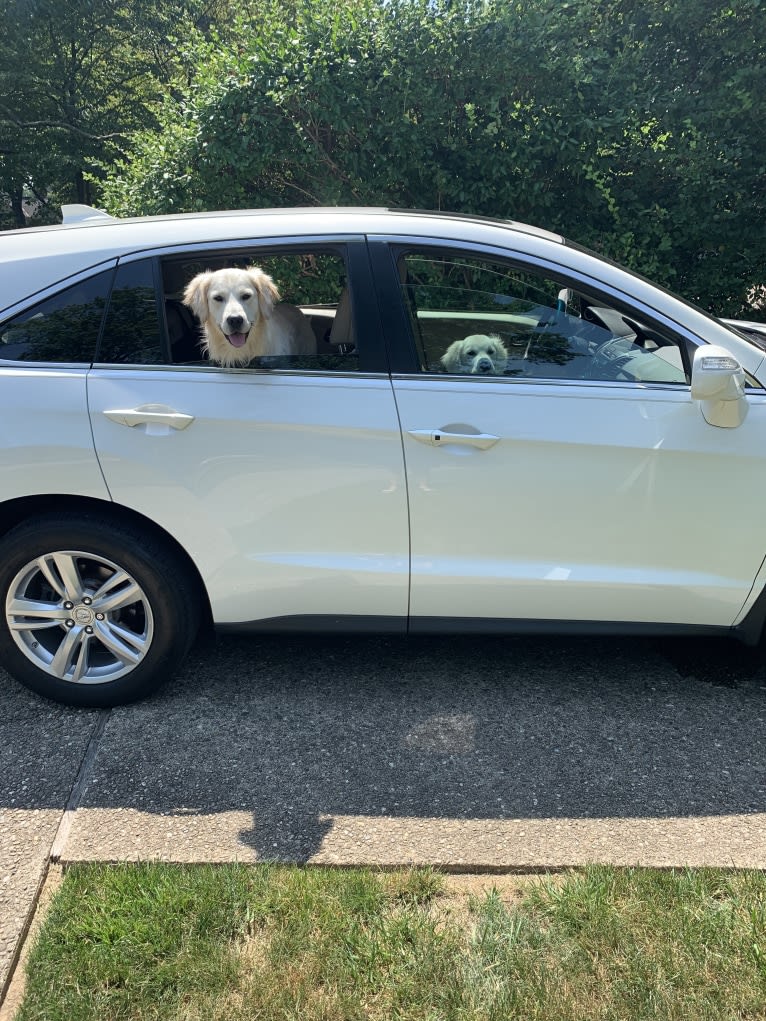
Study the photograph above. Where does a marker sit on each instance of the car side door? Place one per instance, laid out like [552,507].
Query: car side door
[577,483]
[284,480]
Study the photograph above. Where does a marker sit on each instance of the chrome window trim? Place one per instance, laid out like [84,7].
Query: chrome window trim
[612,384]
[219,370]
[288,241]
[28,367]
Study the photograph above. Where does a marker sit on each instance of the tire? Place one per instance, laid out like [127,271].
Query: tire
[96,612]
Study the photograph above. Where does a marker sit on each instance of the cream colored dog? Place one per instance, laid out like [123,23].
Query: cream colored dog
[241,318]
[476,355]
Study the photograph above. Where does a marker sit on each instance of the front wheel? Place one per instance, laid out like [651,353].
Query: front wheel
[96,613]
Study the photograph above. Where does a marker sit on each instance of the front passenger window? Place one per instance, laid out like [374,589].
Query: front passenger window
[489,318]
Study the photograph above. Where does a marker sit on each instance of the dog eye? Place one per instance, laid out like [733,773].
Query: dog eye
[217,297]
[246,296]
[471,353]
[490,351]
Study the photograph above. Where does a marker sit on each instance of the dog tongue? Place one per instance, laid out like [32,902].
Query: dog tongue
[237,339]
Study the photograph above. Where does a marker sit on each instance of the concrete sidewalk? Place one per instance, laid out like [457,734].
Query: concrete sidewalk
[507,755]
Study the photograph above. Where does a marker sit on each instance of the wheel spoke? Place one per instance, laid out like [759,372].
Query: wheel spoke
[66,652]
[52,578]
[118,591]
[42,614]
[81,663]
[62,574]
[127,646]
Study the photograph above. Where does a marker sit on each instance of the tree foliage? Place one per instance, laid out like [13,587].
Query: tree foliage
[634,128]
[77,79]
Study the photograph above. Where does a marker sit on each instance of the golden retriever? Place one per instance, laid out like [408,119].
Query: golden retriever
[241,318]
[476,355]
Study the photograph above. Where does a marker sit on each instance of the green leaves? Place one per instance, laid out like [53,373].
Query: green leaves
[633,129]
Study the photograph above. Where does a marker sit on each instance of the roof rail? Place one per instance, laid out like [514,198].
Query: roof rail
[79,213]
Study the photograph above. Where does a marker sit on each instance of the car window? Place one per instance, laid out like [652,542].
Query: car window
[486,317]
[132,330]
[305,293]
[63,328]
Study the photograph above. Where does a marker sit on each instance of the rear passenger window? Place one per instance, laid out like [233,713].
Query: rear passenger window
[293,312]
[64,328]
[132,332]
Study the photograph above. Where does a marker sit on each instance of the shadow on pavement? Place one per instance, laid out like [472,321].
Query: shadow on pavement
[293,732]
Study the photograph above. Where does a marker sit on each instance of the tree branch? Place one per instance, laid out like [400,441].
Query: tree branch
[7,118]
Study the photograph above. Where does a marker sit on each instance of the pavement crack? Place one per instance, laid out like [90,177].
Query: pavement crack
[83,774]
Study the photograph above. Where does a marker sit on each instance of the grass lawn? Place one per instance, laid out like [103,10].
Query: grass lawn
[239,943]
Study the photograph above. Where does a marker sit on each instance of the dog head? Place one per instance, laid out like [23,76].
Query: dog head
[230,304]
[476,355]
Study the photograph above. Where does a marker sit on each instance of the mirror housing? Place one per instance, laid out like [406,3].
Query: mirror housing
[718,382]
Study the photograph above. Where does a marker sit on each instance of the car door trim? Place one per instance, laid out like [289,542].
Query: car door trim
[363,624]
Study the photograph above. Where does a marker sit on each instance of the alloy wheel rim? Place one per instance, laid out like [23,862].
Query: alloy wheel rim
[79,617]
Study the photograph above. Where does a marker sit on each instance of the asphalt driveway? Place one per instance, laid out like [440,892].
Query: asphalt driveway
[471,754]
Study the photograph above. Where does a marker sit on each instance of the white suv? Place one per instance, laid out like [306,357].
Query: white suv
[400,477]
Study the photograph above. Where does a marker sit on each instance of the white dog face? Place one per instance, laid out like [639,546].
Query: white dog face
[231,304]
[476,355]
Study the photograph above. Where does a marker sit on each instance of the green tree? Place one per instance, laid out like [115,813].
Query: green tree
[632,127]
[77,79]
[683,165]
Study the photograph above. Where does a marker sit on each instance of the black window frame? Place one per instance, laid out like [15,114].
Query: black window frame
[353,251]
[402,343]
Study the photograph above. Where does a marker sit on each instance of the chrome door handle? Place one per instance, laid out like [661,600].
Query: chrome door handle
[150,414]
[443,437]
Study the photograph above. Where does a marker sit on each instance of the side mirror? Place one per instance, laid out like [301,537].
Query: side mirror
[718,382]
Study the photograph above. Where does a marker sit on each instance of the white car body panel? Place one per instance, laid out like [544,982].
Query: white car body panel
[598,502]
[287,490]
[46,445]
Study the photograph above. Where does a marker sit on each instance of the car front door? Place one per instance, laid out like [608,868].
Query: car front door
[576,482]
[284,482]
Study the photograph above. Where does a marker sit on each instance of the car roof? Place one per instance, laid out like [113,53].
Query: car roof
[35,258]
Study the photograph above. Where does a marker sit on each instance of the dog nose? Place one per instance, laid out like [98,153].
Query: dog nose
[484,365]
[235,322]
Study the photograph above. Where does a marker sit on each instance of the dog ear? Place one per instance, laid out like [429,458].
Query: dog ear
[451,357]
[266,289]
[195,295]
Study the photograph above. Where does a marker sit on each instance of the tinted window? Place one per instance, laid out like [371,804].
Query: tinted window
[63,328]
[132,333]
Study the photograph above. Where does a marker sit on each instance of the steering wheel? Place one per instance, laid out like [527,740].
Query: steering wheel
[609,358]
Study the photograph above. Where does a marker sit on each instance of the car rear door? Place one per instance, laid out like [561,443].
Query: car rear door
[285,485]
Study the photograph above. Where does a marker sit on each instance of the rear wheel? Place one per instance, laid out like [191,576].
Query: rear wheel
[96,613]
